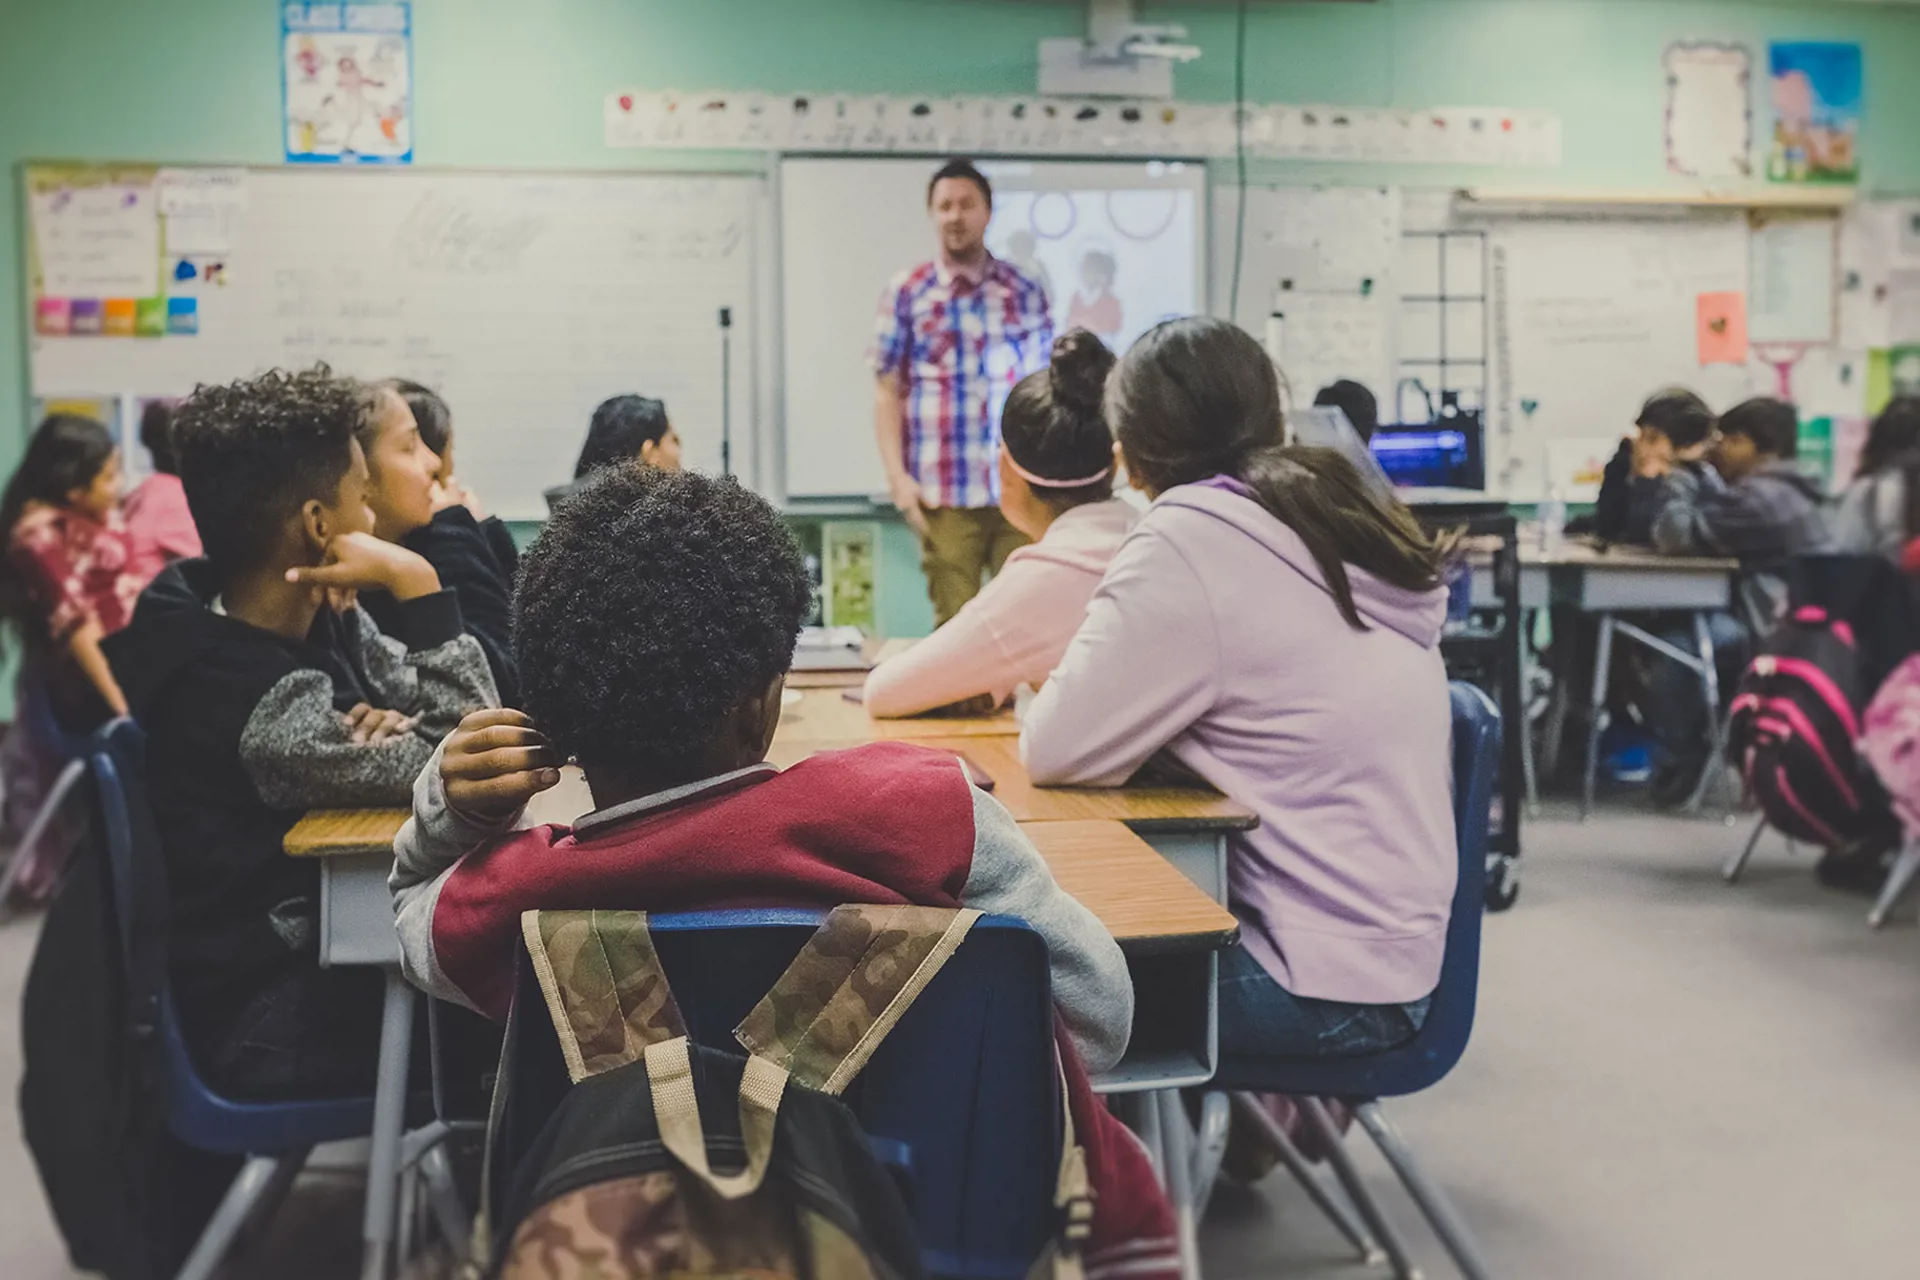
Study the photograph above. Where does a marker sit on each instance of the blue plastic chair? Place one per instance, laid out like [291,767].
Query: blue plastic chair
[43,727]
[962,1095]
[274,1136]
[1361,1081]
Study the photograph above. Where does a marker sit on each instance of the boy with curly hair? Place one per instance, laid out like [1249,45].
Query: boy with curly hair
[655,622]
[264,693]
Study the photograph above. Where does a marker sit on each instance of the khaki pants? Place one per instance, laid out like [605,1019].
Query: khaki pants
[961,544]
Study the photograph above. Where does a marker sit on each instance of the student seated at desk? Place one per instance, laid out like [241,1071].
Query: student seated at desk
[1354,400]
[1674,429]
[1056,487]
[157,508]
[409,508]
[260,701]
[1877,515]
[1752,503]
[1274,628]
[657,617]
[434,417]
[624,429]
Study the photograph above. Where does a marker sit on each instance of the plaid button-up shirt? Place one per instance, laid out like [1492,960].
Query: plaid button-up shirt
[958,345]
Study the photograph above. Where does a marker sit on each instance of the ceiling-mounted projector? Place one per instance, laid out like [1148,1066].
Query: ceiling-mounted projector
[1118,58]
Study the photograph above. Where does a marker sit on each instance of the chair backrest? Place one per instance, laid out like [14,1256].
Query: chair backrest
[136,868]
[1868,593]
[965,1082]
[1423,1060]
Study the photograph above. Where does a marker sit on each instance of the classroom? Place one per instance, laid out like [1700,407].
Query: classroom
[963,638]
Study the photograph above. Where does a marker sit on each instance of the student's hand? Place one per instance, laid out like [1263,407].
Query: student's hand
[361,562]
[905,492]
[495,762]
[1652,455]
[372,726]
[454,494]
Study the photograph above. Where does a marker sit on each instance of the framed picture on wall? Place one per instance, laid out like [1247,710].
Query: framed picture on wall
[346,74]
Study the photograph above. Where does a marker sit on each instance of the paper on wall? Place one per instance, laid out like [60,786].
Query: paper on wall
[201,232]
[1709,127]
[191,191]
[98,241]
[1721,327]
[1323,337]
[1790,280]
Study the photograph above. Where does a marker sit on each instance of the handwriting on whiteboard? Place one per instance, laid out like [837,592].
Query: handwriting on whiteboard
[461,237]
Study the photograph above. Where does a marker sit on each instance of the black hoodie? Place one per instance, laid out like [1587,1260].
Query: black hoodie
[468,555]
[244,733]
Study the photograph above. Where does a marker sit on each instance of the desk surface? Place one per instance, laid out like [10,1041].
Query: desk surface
[827,716]
[1580,554]
[1141,897]
[1141,808]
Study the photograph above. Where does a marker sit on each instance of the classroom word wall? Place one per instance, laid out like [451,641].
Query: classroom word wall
[524,299]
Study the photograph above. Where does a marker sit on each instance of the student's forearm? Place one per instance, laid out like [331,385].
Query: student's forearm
[84,645]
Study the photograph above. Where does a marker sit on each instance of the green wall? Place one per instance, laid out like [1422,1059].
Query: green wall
[519,84]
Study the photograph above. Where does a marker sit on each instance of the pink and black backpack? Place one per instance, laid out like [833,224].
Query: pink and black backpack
[1795,731]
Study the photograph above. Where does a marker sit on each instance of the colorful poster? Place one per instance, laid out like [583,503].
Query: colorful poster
[849,574]
[1722,328]
[95,234]
[1816,90]
[1709,110]
[347,83]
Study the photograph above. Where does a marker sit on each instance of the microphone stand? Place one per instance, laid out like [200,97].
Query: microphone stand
[726,391]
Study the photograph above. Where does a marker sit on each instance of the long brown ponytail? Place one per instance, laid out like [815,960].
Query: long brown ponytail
[1198,398]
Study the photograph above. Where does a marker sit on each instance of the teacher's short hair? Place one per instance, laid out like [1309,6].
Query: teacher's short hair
[962,169]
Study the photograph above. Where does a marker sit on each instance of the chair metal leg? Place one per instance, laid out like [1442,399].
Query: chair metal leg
[1433,1202]
[1597,711]
[1356,1188]
[1331,1206]
[389,1116]
[1902,874]
[1209,1148]
[254,1184]
[43,817]
[1528,773]
[1177,1135]
[1716,725]
[449,1214]
[1737,864]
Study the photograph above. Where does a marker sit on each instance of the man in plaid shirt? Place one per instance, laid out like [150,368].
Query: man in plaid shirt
[953,336]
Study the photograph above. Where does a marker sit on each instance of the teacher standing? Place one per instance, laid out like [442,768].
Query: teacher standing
[953,336]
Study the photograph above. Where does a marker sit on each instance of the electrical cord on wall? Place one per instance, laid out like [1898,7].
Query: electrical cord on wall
[1239,153]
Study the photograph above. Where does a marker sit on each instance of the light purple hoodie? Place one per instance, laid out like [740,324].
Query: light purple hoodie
[1213,635]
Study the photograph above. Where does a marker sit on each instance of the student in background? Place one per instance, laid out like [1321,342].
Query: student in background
[260,701]
[402,491]
[657,619]
[157,508]
[1354,400]
[435,420]
[624,429]
[1056,487]
[1273,627]
[1877,515]
[1674,429]
[72,572]
[1752,503]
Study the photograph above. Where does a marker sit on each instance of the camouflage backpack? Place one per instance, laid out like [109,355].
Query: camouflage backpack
[667,1158]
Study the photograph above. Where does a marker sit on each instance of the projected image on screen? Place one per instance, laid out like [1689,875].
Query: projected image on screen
[1116,261]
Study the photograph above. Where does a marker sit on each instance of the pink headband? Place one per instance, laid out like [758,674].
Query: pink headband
[1042,482]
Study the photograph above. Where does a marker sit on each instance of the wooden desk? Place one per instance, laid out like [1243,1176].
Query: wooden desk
[875,651]
[827,716]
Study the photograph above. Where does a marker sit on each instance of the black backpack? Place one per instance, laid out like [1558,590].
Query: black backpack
[663,1157]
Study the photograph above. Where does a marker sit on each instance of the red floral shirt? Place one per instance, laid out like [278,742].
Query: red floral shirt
[77,568]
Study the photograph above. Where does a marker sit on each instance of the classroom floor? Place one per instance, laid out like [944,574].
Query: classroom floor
[1669,1078]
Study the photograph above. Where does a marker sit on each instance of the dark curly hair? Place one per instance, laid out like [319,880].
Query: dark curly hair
[654,604]
[252,452]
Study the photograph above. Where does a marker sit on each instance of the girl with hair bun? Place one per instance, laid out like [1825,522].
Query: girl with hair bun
[1056,486]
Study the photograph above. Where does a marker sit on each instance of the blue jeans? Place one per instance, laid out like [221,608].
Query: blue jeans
[1260,1018]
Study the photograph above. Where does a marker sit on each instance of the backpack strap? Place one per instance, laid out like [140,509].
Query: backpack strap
[605,990]
[855,977]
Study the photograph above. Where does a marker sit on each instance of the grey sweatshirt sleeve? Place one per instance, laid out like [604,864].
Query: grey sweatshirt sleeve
[1091,985]
[1872,516]
[434,838]
[1679,525]
[429,667]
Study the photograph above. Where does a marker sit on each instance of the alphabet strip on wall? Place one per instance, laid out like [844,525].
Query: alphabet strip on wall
[723,119]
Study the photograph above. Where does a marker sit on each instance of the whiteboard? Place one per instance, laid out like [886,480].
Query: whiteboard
[1592,316]
[524,299]
[848,226]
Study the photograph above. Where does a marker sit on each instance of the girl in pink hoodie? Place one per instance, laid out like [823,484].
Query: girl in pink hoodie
[1274,628]
[1056,486]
